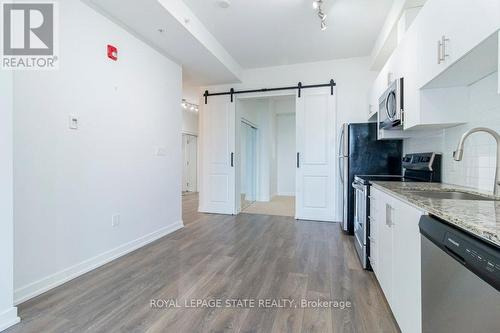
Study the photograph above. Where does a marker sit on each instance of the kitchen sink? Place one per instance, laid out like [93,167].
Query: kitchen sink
[454,195]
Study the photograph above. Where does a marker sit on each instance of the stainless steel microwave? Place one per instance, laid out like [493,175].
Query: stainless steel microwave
[391,104]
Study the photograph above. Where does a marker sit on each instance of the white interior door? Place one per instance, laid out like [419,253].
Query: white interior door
[217,190]
[189,148]
[315,181]
[184,163]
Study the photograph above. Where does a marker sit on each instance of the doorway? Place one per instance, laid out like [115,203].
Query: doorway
[189,169]
[267,155]
[314,158]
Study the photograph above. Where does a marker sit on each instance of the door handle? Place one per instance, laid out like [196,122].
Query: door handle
[232,160]
[341,171]
[298,160]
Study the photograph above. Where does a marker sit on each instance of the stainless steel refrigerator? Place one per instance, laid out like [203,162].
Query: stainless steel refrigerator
[360,153]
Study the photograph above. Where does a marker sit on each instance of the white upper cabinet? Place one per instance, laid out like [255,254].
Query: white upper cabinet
[450,45]
[449,29]
[434,30]
[408,64]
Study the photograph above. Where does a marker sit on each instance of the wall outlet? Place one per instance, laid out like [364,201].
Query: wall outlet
[115,220]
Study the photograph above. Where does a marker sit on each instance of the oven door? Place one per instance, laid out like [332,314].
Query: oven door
[360,221]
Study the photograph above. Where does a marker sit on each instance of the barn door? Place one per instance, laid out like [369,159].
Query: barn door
[217,191]
[315,197]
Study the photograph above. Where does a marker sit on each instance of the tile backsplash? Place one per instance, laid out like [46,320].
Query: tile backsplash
[477,169]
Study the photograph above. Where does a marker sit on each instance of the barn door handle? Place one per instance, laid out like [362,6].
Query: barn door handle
[232,160]
[298,160]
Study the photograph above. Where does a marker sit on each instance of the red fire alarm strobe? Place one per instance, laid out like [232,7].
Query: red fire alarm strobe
[112,53]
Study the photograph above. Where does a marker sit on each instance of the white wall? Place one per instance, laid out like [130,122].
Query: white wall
[190,118]
[285,151]
[8,313]
[477,169]
[189,122]
[266,148]
[124,159]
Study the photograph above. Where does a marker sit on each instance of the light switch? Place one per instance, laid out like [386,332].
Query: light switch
[115,220]
[73,122]
[161,151]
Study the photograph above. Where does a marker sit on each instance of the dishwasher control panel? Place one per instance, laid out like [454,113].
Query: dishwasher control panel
[479,257]
[470,254]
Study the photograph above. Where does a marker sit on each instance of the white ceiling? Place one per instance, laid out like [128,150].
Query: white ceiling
[144,18]
[261,33]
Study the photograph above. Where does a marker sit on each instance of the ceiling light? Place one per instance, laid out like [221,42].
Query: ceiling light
[189,106]
[322,16]
[223,3]
[317,4]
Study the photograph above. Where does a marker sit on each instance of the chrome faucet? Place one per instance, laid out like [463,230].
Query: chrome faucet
[458,154]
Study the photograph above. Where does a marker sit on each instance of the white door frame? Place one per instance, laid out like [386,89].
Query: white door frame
[239,163]
[186,134]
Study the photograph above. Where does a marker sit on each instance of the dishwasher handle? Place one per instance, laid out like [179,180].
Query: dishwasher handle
[455,255]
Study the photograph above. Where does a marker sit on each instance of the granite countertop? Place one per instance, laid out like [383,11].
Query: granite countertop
[479,218]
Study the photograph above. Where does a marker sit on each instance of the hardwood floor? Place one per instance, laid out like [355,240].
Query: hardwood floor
[221,257]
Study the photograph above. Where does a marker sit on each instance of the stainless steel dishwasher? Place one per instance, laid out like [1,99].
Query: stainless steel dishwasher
[460,280]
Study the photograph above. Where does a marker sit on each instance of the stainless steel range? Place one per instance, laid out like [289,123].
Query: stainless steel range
[422,167]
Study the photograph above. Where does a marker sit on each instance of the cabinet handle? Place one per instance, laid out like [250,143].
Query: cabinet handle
[298,160]
[439,48]
[442,49]
[388,215]
[232,160]
[444,40]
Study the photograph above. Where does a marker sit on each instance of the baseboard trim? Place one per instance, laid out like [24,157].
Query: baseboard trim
[52,281]
[9,318]
[286,194]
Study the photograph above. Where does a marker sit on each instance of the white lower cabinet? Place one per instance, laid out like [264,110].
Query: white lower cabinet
[397,257]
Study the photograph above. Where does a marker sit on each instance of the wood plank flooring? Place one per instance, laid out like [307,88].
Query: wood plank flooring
[221,257]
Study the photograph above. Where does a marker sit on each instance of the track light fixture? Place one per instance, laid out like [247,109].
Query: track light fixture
[189,106]
[317,4]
